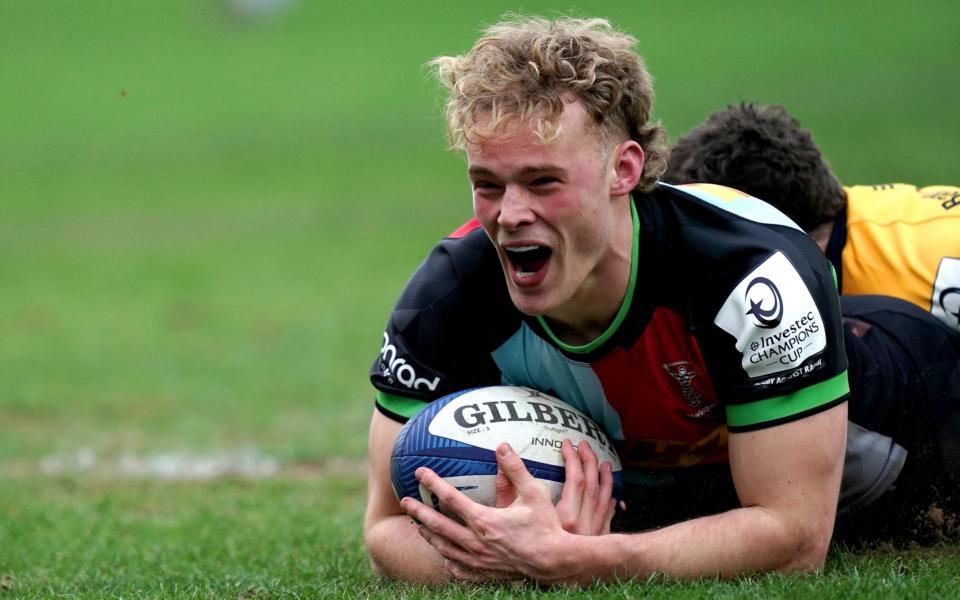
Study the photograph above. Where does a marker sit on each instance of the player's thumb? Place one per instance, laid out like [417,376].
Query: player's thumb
[506,493]
[511,466]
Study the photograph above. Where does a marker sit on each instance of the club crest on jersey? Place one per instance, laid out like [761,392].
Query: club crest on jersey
[773,318]
[683,372]
[945,303]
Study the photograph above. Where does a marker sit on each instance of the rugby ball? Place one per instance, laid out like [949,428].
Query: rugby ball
[457,436]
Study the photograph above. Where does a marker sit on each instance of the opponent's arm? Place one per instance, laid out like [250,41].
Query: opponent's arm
[787,477]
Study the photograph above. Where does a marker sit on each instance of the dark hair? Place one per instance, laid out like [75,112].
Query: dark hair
[765,152]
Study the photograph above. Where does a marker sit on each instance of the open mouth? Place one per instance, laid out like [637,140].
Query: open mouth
[528,260]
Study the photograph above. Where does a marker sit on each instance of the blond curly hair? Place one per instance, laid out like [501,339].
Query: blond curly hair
[520,70]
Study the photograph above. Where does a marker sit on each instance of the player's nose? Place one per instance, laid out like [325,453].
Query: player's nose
[515,209]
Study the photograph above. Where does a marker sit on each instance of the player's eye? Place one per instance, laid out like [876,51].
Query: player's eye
[543,183]
[484,185]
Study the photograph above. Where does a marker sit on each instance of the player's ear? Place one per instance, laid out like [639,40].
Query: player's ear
[627,167]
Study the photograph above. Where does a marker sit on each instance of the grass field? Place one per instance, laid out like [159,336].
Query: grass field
[204,222]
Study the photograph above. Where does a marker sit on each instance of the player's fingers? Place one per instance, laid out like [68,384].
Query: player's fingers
[608,517]
[589,510]
[448,549]
[434,521]
[452,499]
[513,468]
[464,572]
[460,572]
[478,559]
[591,471]
[606,482]
[444,546]
[604,499]
[572,492]
[506,492]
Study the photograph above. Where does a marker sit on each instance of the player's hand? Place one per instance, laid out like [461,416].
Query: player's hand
[465,557]
[463,551]
[506,492]
[586,505]
[526,537]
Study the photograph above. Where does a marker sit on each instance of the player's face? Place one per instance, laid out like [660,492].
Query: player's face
[548,210]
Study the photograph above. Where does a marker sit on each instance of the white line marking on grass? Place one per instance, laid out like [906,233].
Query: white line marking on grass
[169,466]
[185,466]
[81,461]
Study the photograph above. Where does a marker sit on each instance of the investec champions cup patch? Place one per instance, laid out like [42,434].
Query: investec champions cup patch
[774,319]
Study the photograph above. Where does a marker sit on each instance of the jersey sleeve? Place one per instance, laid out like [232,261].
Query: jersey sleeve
[439,335]
[771,328]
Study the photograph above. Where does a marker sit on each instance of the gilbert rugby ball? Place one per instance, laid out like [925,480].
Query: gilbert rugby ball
[457,436]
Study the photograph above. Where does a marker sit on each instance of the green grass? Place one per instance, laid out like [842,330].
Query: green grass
[298,536]
[145,539]
[204,224]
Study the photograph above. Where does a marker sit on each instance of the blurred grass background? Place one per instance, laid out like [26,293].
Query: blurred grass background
[205,219]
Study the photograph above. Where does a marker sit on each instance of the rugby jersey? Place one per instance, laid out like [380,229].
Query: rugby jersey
[903,241]
[730,322]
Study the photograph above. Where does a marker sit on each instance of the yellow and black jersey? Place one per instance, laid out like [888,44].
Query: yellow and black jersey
[903,241]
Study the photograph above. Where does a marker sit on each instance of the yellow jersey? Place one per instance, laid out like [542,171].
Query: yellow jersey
[900,240]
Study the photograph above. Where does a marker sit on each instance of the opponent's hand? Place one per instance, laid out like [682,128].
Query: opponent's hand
[524,538]
[586,505]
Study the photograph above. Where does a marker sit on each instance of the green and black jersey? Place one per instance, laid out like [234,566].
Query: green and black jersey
[731,322]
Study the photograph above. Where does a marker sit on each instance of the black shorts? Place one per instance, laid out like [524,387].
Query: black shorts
[905,383]
[669,496]
[903,369]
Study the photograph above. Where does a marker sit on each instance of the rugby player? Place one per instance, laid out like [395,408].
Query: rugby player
[891,239]
[699,326]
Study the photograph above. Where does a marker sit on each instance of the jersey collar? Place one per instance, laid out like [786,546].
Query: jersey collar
[624,307]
